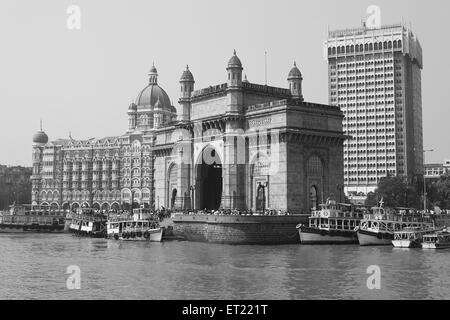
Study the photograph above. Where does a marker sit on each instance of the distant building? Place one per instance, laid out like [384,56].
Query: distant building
[375,79]
[15,185]
[435,171]
[236,145]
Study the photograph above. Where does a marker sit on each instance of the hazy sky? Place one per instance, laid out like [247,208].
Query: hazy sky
[82,81]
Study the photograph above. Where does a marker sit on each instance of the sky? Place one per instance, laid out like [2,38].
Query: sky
[82,80]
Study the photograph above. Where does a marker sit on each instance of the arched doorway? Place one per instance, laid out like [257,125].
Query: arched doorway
[315,181]
[96,206]
[209,180]
[260,198]
[313,198]
[173,198]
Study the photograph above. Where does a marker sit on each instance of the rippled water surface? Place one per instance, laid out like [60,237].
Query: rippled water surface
[34,267]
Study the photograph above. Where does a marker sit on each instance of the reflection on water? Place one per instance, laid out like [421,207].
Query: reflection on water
[34,266]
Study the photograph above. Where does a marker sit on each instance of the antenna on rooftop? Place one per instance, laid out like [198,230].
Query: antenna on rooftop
[265,66]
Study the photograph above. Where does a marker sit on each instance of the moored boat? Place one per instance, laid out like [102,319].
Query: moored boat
[437,240]
[335,223]
[142,225]
[32,218]
[411,237]
[378,228]
[89,223]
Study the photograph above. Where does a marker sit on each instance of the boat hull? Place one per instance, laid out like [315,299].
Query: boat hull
[405,244]
[154,235]
[435,246]
[87,233]
[30,229]
[370,238]
[318,236]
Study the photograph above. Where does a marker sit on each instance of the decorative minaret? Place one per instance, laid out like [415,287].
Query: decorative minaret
[158,114]
[295,82]
[132,116]
[187,87]
[40,139]
[153,75]
[234,70]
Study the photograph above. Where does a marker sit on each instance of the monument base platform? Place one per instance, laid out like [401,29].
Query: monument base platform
[263,230]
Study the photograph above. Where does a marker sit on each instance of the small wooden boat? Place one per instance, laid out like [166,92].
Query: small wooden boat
[88,223]
[32,219]
[335,223]
[411,237]
[142,225]
[438,240]
[378,228]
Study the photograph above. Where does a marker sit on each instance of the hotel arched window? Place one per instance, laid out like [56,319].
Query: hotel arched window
[144,120]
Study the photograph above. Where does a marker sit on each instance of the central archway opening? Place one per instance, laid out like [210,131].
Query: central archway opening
[209,178]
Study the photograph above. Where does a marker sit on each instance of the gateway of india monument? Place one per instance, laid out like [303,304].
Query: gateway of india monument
[236,145]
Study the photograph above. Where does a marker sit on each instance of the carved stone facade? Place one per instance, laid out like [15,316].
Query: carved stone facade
[235,145]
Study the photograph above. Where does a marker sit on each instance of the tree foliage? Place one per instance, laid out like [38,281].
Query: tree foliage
[408,192]
[439,192]
[15,186]
[396,192]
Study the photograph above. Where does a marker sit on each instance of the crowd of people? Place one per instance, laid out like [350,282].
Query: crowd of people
[236,212]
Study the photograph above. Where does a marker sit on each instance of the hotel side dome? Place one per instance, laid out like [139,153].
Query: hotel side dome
[40,137]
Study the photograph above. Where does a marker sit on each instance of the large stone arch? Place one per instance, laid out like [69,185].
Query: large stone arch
[209,179]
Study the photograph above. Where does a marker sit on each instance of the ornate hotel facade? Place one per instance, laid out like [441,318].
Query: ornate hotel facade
[235,145]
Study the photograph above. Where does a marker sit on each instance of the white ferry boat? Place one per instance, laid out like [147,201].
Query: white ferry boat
[411,237]
[335,223]
[437,240]
[142,225]
[31,218]
[87,222]
[378,227]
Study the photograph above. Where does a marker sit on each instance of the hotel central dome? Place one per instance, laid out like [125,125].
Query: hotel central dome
[148,97]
